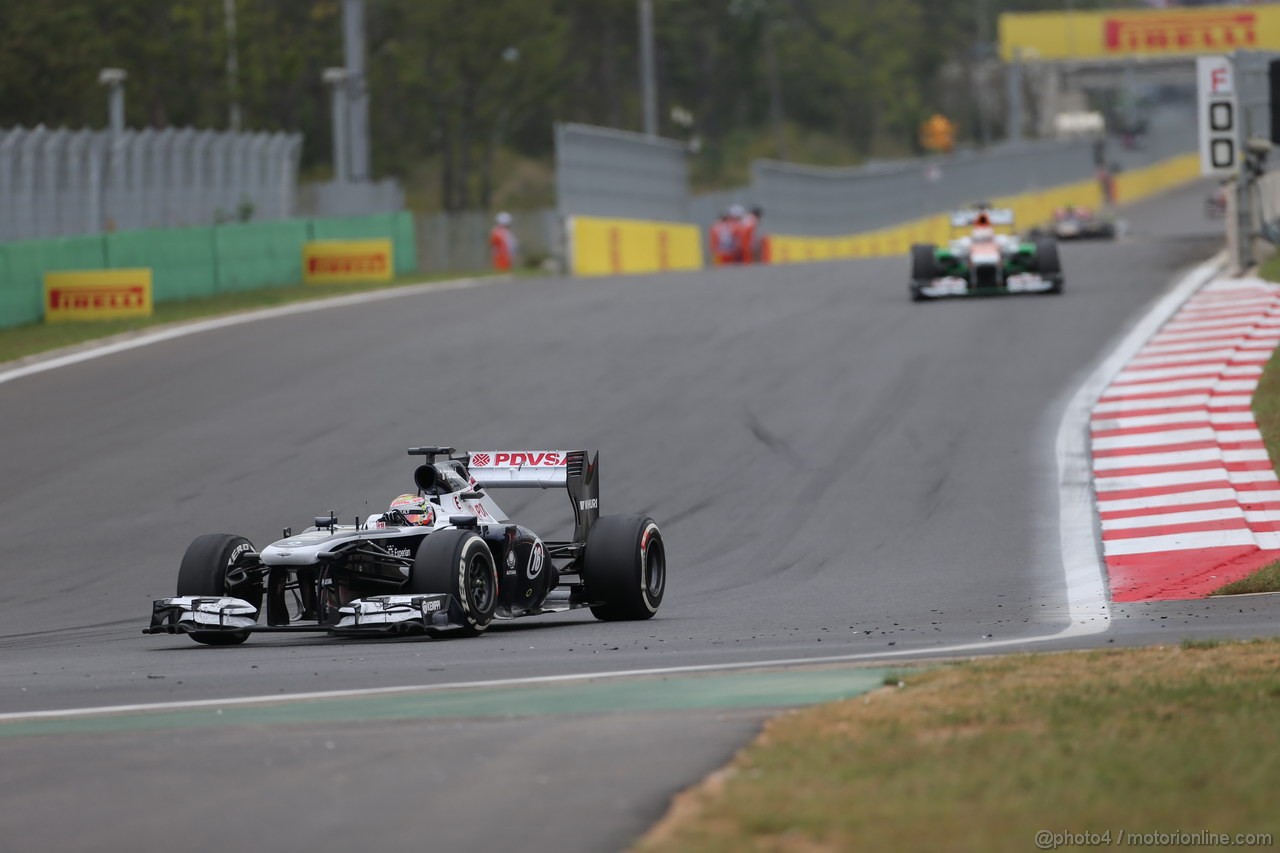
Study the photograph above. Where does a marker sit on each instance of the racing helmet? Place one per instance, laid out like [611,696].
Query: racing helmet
[415,509]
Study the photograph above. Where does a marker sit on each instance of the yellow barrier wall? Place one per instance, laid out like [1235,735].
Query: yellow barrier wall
[613,246]
[1028,209]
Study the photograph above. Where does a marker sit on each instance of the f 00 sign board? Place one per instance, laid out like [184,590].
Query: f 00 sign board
[1218,116]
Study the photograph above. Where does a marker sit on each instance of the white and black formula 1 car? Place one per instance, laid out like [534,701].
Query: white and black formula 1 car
[984,258]
[1079,223]
[443,559]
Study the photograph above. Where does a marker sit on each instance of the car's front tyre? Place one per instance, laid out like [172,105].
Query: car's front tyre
[1047,263]
[207,570]
[459,563]
[924,269]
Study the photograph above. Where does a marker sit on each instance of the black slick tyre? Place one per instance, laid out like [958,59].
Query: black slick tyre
[924,269]
[1047,263]
[459,563]
[624,567]
[204,571]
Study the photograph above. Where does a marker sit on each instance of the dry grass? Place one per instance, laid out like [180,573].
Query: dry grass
[981,755]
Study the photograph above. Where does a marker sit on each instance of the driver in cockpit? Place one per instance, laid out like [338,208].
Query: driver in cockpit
[416,510]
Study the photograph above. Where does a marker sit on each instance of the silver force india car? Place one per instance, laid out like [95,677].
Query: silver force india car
[442,559]
[983,257]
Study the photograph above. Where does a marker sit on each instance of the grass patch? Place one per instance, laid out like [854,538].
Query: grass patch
[1270,268]
[1265,579]
[984,754]
[41,337]
[1266,411]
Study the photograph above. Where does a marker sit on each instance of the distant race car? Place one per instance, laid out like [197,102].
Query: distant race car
[443,559]
[1079,223]
[1215,204]
[984,260]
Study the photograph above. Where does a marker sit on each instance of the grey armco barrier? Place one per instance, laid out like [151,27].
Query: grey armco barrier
[603,172]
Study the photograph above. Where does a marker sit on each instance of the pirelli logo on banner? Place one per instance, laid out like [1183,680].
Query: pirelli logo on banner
[1115,34]
[340,261]
[97,294]
[1223,30]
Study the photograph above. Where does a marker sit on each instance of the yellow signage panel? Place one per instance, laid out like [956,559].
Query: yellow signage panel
[97,294]
[601,246]
[346,261]
[1121,33]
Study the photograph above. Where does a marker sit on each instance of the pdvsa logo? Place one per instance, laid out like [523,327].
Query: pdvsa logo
[550,459]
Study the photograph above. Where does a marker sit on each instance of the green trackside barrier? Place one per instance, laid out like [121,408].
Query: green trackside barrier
[397,226]
[182,260]
[188,263]
[251,256]
[22,268]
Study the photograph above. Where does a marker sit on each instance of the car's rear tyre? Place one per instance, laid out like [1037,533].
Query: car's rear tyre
[1047,263]
[459,563]
[624,567]
[204,571]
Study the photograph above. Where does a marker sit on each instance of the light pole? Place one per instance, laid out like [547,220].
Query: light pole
[233,64]
[336,80]
[1013,97]
[113,79]
[648,85]
[357,92]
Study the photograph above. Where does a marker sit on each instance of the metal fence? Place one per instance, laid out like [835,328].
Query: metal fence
[459,240]
[62,182]
[604,172]
[1253,215]
[350,198]
[1253,91]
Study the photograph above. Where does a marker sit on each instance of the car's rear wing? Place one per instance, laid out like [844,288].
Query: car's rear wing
[576,470]
[996,216]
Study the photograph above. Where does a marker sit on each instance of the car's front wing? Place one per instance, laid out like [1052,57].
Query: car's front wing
[382,614]
[957,286]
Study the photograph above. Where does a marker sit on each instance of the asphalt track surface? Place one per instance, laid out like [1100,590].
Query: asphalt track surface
[837,471]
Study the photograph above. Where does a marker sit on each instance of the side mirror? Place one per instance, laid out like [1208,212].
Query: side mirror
[426,477]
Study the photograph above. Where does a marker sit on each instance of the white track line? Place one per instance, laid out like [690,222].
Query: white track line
[1089,611]
[113,345]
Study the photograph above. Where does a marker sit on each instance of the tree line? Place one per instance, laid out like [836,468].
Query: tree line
[455,83]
